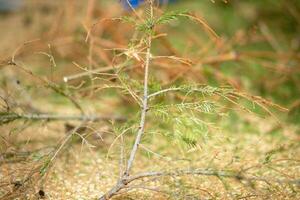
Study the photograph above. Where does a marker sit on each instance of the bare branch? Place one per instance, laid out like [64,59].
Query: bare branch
[59,117]
[211,172]
[121,184]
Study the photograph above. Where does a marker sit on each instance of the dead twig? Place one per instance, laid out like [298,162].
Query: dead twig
[201,172]
[59,117]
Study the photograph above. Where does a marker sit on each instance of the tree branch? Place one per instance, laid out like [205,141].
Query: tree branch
[144,111]
[121,184]
[58,117]
[212,172]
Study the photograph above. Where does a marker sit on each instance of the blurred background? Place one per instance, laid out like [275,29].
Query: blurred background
[259,49]
[260,40]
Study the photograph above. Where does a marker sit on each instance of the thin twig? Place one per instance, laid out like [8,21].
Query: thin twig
[163,91]
[144,111]
[211,172]
[49,84]
[60,117]
[88,72]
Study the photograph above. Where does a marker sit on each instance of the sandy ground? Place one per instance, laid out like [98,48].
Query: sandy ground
[84,172]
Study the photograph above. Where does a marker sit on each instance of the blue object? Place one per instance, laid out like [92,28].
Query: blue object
[133,3]
[137,3]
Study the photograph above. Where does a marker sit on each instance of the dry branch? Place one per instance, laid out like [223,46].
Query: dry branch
[210,172]
[124,183]
[59,117]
